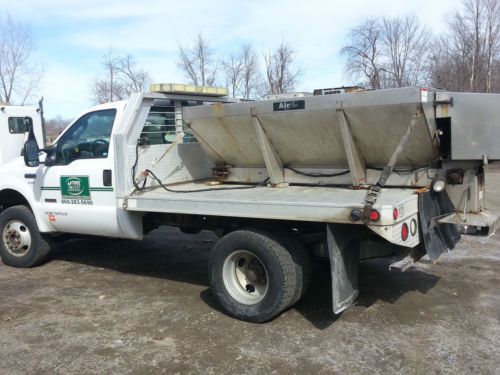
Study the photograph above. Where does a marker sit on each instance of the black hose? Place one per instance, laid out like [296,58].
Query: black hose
[149,172]
[318,174]
[134,167]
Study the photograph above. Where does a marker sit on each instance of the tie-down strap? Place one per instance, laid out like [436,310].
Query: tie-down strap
[375,190]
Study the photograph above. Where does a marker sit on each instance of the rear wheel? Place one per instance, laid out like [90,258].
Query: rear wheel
[302,260]
[252,275]
[21,244]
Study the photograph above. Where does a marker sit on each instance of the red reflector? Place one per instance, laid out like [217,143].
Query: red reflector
[374,215]
[404,232]
[395,214]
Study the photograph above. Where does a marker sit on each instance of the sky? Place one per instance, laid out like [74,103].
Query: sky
[72,36]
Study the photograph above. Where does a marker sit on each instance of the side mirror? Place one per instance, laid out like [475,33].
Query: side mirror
[50,158]
[31,150]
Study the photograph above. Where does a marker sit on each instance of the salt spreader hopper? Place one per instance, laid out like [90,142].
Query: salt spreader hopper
[409,137]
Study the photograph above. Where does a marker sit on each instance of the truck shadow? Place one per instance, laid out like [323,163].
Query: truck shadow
[168,254]
[376,283]
[165,254]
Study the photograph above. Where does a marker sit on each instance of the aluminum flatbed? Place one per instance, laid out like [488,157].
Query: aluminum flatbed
[294,203]
[303,203]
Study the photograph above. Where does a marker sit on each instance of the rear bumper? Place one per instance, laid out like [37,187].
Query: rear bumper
[484,222]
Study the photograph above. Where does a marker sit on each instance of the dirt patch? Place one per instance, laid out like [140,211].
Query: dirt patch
[102,306]
[145,307]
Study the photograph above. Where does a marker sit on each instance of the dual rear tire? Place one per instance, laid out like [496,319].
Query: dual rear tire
[256,275]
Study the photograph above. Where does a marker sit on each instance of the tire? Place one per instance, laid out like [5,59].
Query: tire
[21,244]
[190,230]
[252,275]
[303,267]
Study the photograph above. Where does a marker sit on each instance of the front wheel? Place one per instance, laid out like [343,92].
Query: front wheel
[252,275]
[21,244]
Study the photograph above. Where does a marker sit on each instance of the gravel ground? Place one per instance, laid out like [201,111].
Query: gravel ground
[106,307]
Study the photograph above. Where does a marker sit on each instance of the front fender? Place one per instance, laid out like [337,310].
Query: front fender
[32,194]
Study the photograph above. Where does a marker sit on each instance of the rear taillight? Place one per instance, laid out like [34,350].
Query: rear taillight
[404,232]
[395,214]
[374,215]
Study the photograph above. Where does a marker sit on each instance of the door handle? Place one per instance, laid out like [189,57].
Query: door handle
[107,177]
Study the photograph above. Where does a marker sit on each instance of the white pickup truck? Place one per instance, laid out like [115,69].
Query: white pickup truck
[279,181]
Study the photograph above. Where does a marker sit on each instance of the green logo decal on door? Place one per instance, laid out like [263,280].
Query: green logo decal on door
[75,187]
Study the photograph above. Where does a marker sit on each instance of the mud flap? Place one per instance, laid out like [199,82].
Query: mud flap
[438,238]
[343,247]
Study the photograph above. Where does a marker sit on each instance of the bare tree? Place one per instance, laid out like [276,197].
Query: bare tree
[251,74]
[122,78]
[405,51]
[443,73]
[387,52]
[363,53]
[19,73]
[233,71]
[132,78]
[198,62]
[492,45]
[55,126]
[469,52]
[109,88]
[281,75]
[101,91]
[241,71]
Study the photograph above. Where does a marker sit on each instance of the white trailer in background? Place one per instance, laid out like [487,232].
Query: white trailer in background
[13,129]
[279,180]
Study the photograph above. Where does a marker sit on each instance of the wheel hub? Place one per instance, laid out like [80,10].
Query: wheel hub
[255,273]
[17,238]
[245,277]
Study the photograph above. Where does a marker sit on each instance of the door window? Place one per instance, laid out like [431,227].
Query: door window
[88,137]
[17,125]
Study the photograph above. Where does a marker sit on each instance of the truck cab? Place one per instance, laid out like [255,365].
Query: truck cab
[72,186]
[69,189]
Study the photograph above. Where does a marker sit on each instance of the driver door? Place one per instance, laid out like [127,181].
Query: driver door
[77,191]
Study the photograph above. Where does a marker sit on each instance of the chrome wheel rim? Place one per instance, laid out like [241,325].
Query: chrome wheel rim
[16,238]
[245,277]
